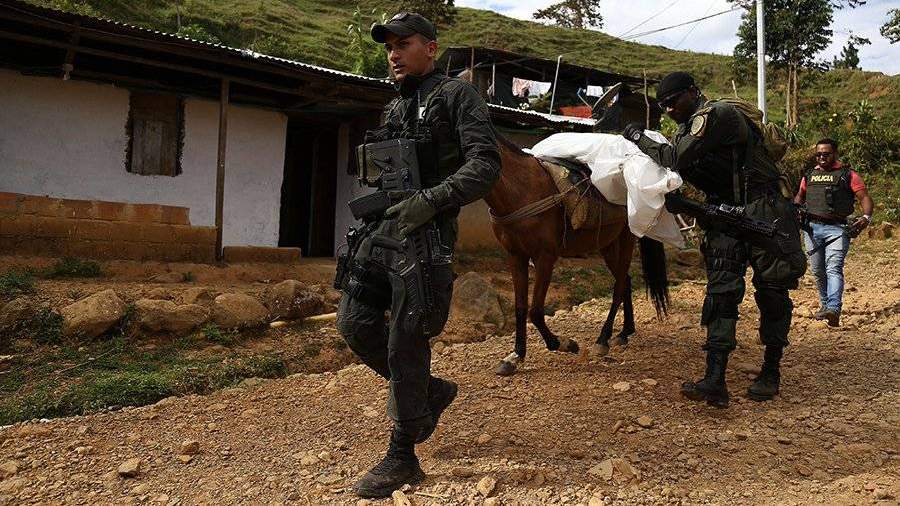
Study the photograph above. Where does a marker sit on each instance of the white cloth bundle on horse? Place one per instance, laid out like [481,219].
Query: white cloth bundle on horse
[625,176]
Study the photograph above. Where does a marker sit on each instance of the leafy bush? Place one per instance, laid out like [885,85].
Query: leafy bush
[213,334]
[46,327]
[15,282]
[69,267]
[867,143]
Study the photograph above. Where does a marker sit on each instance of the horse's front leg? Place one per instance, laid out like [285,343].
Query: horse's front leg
[543,267]
[518,267]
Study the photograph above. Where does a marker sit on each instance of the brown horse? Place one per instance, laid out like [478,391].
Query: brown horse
[546,237]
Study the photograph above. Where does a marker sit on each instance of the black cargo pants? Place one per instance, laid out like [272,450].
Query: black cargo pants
[397,351]
[776,270]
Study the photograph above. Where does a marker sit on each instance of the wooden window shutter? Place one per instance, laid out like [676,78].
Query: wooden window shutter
[156,128]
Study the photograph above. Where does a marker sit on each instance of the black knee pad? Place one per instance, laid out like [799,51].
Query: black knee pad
[717,305]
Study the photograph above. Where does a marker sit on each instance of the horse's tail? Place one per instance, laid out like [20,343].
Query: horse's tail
[653,265]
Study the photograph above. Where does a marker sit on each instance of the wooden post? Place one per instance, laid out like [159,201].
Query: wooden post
[220,166]
[646,101]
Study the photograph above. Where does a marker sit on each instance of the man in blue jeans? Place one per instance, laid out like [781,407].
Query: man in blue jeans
[829,191]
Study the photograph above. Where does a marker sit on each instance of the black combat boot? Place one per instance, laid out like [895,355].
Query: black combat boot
[712,387]
[399,467]
[833,317]
[765,386]
[440,394]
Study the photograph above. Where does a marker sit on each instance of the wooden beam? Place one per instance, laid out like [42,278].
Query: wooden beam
[220,166]
[155,63]
[69,62]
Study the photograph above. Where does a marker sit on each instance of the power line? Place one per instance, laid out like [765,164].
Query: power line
[688,34]
[636,36]
[635,27]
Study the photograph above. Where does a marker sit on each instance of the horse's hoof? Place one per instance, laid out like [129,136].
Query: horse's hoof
[569,346]
[620,341]
[505,368]
[600,350]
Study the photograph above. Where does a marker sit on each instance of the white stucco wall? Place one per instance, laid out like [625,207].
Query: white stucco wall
[67,139]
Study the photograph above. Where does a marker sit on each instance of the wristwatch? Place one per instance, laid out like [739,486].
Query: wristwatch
[868,218]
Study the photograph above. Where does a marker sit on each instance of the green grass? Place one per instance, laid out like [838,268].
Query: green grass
[584,283]
[314,31]
[214,334]
[70,380]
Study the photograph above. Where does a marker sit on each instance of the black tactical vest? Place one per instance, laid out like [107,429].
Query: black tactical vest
[425,118]
[828,193]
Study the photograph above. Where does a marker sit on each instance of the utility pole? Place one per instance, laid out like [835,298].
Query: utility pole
[761,57]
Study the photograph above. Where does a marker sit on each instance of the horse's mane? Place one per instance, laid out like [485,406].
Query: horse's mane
[511,145]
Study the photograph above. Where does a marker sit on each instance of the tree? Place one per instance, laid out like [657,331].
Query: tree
[891,28]
[849,58]
[369,58]
[440,12]
[796,31]
[573,14]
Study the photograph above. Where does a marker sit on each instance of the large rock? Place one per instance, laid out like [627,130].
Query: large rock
[15,313]
[92,315]
[474,298]
[236,310]
[196,295]
[292,300]
[883,231]
[689,258]
[166,316]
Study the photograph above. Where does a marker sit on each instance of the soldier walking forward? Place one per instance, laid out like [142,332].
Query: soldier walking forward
[722,153]
[435,152]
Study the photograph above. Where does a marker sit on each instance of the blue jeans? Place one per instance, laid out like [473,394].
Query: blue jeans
[827,264]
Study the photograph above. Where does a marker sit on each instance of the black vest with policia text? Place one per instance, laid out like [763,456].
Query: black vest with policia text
[828,193]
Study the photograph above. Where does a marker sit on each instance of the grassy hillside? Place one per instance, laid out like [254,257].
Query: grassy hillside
[314,31]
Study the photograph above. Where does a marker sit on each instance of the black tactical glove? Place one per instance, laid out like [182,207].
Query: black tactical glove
[412,213]
[633,132]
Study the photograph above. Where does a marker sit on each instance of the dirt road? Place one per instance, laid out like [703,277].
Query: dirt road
[565,430]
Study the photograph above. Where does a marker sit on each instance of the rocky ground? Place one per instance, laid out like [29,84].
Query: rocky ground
[566,429]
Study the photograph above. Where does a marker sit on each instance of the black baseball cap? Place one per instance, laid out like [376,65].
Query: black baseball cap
[672,84]
[404,24]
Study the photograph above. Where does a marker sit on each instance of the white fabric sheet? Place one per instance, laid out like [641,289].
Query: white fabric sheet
[625,176]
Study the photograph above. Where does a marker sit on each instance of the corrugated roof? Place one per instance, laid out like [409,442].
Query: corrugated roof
[553,118]
[88,22]
[120,28]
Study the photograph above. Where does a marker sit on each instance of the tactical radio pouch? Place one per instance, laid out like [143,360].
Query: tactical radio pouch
[381,164]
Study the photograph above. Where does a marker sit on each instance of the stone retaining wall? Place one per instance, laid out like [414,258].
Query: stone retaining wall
[103,230]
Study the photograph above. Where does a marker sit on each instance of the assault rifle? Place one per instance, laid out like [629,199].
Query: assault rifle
[851,232]
[732,216]
[393,166]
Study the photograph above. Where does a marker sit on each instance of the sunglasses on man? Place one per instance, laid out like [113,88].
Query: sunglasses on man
[670,101]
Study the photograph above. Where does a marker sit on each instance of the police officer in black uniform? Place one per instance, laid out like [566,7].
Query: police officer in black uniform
[459,162]
[720,152]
